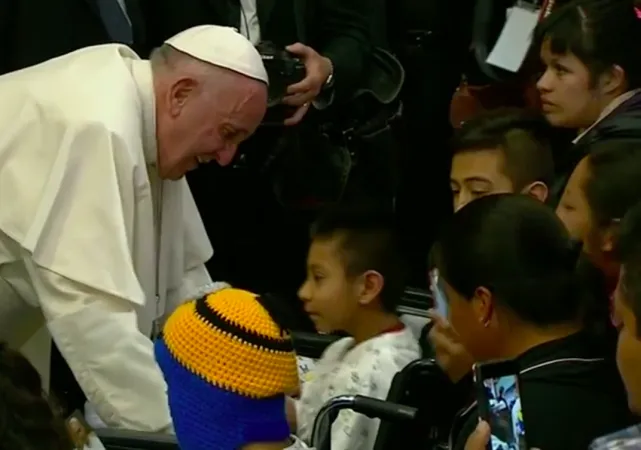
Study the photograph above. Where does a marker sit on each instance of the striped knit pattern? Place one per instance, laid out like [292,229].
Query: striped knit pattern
[228,367]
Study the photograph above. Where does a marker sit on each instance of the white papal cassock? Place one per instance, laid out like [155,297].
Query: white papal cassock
[80,227]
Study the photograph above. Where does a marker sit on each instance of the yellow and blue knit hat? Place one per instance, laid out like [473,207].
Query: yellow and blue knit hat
[228,367]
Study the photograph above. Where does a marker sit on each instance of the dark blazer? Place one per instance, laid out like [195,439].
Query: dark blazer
[338,29]
[33,31]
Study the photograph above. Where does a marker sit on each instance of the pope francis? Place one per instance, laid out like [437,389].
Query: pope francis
[99,235]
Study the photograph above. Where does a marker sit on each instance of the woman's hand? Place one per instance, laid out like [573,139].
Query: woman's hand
[480,437]
[449,352]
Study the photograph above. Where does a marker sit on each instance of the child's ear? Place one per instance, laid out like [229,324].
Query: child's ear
[371,287]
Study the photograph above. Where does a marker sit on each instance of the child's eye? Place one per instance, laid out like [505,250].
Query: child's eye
[317,277]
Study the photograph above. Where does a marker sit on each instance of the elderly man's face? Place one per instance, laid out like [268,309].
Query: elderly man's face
[205,120]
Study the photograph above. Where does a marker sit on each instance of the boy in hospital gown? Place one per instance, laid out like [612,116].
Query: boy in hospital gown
[354,281]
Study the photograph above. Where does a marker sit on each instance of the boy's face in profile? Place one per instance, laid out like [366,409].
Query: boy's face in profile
[330,297]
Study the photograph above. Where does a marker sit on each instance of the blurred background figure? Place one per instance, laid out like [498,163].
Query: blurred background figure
[36,30]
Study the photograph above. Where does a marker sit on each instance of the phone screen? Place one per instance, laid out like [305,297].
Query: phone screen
[504,413]
[440,300]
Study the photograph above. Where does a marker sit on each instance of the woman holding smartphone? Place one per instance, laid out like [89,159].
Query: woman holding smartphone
[506,268]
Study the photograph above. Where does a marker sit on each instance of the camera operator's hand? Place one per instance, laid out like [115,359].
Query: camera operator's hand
[449,352]
[301,94]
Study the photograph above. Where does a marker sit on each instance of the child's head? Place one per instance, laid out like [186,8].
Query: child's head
[354,265]
[228,368]
[27,420]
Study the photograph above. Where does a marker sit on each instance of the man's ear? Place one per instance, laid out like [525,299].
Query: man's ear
[179,93]
[538,190]
[370,286]
[483,305]
[613,81]
[608,238]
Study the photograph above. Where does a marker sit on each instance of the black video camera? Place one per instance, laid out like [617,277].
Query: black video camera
[283,69]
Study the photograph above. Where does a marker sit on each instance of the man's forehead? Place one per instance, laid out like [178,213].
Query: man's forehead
[477,164]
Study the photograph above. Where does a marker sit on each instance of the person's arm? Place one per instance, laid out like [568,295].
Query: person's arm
[344,32]
[78,248]
[290,412]
[197,250]
[97,334]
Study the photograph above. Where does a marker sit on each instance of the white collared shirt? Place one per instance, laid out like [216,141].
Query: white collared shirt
[249,25]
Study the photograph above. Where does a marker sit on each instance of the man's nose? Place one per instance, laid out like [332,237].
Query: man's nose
[225,156]
[462,200]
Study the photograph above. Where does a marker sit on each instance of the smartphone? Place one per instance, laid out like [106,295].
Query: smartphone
[438,293]
[499,403]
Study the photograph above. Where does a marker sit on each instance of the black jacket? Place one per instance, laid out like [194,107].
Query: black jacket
[565,404]
[33,31]
[624,123]
[339,30]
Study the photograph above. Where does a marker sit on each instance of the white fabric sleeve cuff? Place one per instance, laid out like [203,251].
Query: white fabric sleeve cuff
[114,363]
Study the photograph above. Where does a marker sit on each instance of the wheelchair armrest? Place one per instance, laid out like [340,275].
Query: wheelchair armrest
[368,406]
[312,345]
[114,439]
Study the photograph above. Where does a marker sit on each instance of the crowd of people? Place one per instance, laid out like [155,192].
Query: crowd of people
[103,250]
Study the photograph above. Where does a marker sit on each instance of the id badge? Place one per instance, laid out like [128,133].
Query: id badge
[515,39]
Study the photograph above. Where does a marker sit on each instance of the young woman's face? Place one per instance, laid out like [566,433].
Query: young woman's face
[576,214]
[573,209]
[568,97]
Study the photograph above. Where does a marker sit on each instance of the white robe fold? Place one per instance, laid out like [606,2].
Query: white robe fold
[81,207]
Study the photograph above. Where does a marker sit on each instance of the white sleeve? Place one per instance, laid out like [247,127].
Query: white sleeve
[196,283]
[197,250]
[114,363]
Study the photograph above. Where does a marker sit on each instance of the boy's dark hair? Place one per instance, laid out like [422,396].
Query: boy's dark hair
[517,248]
[628,251]
[27,420]
[599,33]
[368,241]
[521,136]
[613,185]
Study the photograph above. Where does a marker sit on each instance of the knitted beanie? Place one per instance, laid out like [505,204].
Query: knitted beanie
[228,368]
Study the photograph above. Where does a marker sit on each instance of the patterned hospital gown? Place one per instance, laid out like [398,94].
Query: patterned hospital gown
[344,369]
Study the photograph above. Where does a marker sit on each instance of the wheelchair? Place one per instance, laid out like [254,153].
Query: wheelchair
[418,409]
[401,414]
